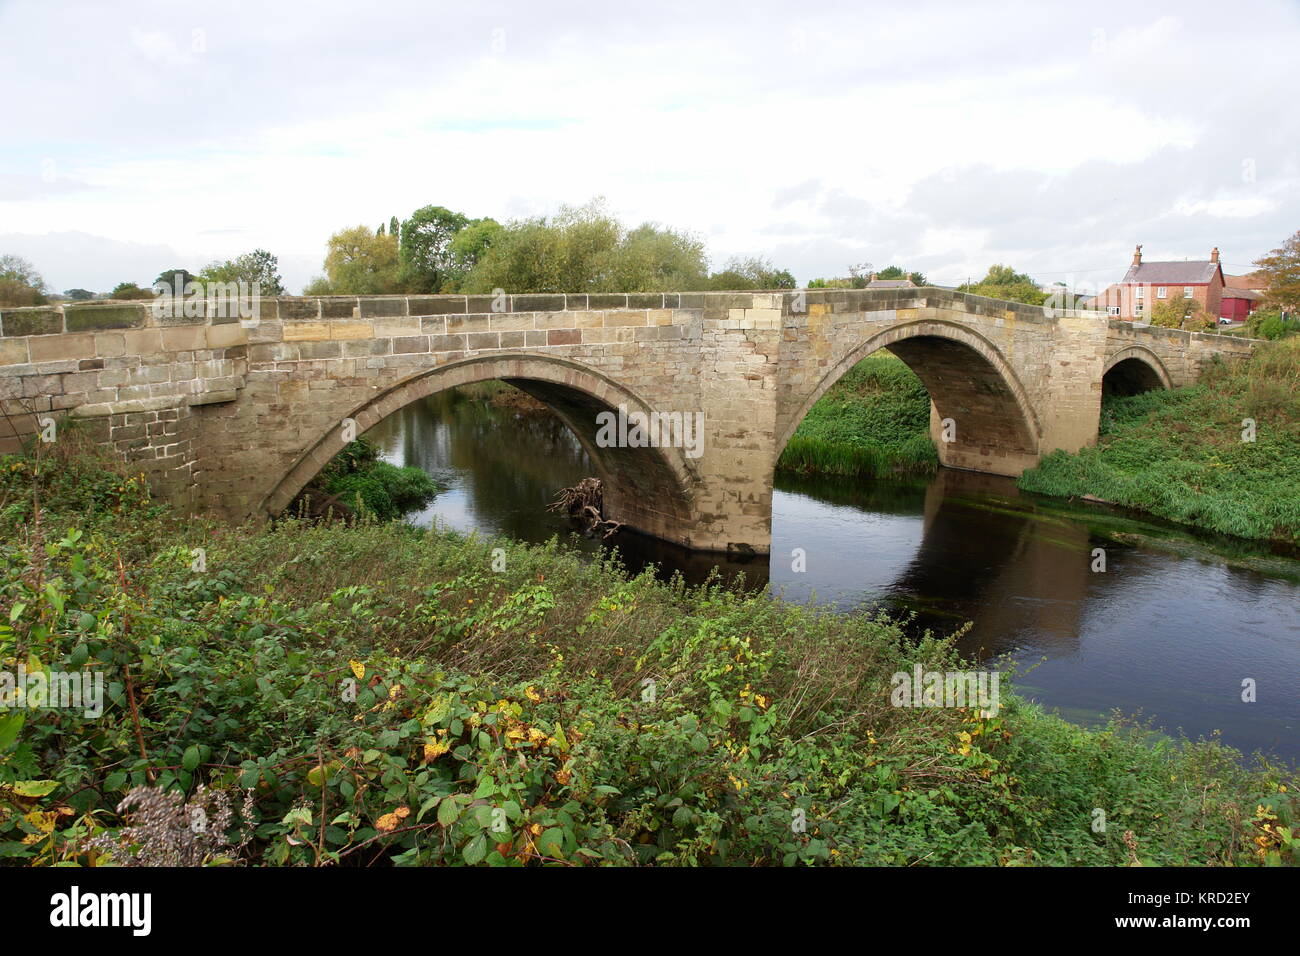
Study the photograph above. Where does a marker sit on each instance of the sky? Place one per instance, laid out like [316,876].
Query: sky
[942,137]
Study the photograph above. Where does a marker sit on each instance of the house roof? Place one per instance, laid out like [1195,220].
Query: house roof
[1172,273]
[1252,295]
[1256,280]
[891,284]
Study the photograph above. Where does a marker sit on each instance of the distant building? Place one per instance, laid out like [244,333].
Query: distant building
[1242,295]
[1149,283]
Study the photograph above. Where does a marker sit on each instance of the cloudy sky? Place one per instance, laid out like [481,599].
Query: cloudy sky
[939,136]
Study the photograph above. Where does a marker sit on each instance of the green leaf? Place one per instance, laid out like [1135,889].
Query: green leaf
[34,788]
[448,811]
[191,758]
[9,727]
[476,850]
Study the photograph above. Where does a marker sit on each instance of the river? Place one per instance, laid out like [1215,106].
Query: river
[1169,631]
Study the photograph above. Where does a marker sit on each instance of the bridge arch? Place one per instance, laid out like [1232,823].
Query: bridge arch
[1133,370]
[969,381]
[650,488]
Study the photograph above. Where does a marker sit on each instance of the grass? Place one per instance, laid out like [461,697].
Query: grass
[372,693]
[874,421]
[1181,455]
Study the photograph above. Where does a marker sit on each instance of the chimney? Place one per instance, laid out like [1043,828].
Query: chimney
[1137,255]
[1214,254]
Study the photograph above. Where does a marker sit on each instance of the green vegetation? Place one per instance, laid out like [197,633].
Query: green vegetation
[1004,282]
[578,249]
[258,269]
[875,420]
[20,283]
[1269,324]
[365,694]
[1180,454]
[366,486]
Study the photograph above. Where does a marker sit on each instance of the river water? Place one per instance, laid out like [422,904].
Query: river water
[1169,631]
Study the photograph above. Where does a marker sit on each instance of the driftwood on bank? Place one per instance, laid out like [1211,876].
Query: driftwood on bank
[585,503]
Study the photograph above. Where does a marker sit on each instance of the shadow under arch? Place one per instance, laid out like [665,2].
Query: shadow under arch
[1134,370]
[649,489]
[969,381]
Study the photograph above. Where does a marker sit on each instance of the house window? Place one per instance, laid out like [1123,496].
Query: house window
[1114,310]
[1187,292]
[1139,292]
[1160,292]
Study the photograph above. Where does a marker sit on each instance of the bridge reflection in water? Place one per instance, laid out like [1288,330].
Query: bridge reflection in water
[1156,632]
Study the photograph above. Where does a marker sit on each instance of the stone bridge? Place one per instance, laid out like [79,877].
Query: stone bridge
[235,416]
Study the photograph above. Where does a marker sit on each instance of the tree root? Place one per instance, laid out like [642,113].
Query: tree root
[585,503]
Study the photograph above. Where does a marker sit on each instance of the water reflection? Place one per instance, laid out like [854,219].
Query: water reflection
[1168,635]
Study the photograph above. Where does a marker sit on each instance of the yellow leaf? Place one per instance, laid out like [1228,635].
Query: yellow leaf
[358,669]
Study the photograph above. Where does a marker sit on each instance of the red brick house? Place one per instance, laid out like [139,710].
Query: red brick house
[1149,283]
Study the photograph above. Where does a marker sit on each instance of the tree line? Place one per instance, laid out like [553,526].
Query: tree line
[21,285]
[578,249]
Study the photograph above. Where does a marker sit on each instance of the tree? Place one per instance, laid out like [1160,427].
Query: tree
[20,283]
[470,244]
[1004,282]
[129,290]
[259,269]
[894,272]
[751,273]
[572,251]
[426,258]
[1281,267]
[357,262]
[78,295]
[1188,314]
[654,259]
[175,279]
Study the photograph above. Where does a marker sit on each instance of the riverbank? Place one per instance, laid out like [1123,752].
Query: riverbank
[874,421]
[1179,454]
[387,694]
[1223,454]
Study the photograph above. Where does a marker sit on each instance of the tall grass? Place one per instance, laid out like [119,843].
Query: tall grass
[874,421]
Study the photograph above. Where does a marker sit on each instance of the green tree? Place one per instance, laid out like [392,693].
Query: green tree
[572,251]
[257,268]
[654,259]
[754,272]
[357,262]
[1179,313]
[175,279]
[1282,269]
[427,262]
[20,283]
[1004,282]
[129,290]
[470,244]
[78,295]
[894,272]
